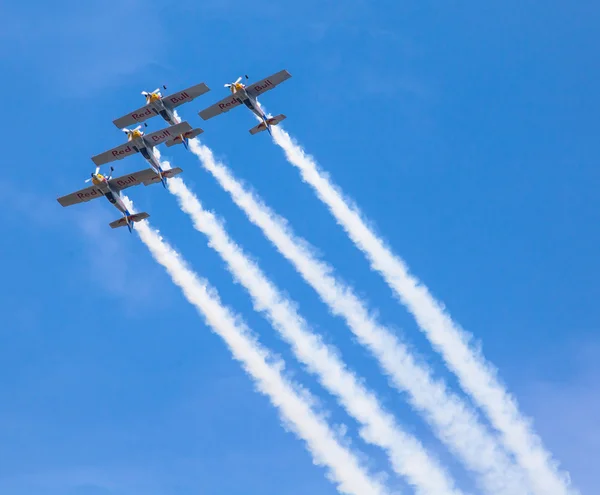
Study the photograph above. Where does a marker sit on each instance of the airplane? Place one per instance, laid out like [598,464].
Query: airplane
[157,104]
[111,189]
[137,141]
[247,94]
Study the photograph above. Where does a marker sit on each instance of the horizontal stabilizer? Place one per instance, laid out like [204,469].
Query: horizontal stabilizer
[187,135]
[167,174]
[272,121]
[122,222]
[259,128]
[275,120]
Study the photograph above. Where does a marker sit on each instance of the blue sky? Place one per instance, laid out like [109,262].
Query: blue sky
[465,133]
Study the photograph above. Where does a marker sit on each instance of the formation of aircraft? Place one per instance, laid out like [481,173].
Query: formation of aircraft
[176,133]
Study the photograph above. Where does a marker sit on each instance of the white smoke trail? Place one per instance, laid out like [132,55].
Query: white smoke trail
[476,376]
[293,402]
[454,423]
[407,455]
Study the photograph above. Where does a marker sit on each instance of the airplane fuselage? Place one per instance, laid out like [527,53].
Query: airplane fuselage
[114,197]
[140,145]
[243,97]
[159,108]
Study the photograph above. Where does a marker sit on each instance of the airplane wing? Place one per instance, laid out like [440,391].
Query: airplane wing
[268,83]
[176,99]
[81,196]
[135,179]
[117,153]
[222,106]
[135,117]
[155,138]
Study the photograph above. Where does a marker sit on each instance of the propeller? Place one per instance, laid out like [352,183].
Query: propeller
[236,82]
[129,131]
[155,92]
[94,173]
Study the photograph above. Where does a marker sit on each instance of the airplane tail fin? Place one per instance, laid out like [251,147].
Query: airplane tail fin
[183,138]
[263,127]
[128,221]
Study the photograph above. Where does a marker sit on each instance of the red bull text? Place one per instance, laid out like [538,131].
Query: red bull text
[161,136]
[122,151]
[92,194]
[126,181]
[181,97]
[258,88]
[227,104]
[141,115]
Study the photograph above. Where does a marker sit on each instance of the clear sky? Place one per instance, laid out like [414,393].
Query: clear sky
[466,132]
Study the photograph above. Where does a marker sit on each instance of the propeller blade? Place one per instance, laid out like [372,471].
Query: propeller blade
[228,85]
[129,131]
[92,175]
[157,90]
[145,93]
[238,80]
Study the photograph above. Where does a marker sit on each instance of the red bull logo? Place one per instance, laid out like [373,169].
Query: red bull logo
[142,115]
[258,88]
[228,104]
[122,151]
[126,181]
[161,136]
[182,97]
[91,194]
